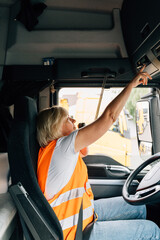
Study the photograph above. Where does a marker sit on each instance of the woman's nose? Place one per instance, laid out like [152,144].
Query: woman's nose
[73,120]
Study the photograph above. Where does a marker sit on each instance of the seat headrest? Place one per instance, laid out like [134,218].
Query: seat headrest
[25,109]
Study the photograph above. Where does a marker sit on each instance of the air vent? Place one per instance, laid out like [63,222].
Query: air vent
[156,50]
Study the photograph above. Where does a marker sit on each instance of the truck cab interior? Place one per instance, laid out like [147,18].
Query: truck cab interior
[78,54]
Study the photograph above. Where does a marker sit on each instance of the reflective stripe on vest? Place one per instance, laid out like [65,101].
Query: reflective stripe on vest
[66,203]
[73,220]
[74,193]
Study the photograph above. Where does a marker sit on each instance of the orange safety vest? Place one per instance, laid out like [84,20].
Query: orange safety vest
[67,202]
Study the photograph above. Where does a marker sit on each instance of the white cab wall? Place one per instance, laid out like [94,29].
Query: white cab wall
[26,47]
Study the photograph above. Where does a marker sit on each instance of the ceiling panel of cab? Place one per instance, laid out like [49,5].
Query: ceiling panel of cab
[86,29]
[67,29]
[85,37]
[89,5]
[7,2]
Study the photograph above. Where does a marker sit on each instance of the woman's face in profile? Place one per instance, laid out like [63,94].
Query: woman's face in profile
[68,125]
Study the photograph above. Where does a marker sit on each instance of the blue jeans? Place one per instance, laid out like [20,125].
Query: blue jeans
[118,220]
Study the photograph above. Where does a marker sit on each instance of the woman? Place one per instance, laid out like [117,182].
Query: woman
[63,179]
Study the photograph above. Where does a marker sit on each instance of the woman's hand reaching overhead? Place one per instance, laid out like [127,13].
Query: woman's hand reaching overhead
[98,128]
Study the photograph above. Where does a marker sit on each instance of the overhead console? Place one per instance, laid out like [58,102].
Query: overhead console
[141,29]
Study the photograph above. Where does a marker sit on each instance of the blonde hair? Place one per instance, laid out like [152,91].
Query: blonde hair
[49,123]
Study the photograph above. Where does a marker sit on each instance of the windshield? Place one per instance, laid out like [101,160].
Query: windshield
[120,142]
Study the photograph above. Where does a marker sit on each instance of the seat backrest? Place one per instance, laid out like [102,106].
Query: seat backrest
[22,153]
[25,111]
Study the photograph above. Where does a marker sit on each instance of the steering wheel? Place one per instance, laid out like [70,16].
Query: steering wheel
[148,189]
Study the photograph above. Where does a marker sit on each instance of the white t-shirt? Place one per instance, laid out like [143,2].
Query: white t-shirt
[63,163]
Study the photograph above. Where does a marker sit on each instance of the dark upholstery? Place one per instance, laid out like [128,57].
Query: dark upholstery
[25,111]
[100,159]
[5,126]
[22,153]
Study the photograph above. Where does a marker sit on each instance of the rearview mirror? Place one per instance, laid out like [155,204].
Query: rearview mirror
[143,126]
[147,124]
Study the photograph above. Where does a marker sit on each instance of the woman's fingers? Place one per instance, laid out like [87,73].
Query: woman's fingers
[141,77]
[141,70]
[144,79]
[145,73]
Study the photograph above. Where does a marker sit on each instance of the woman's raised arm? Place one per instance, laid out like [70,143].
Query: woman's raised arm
[98,128]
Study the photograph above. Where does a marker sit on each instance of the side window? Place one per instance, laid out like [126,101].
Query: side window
[120,142]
